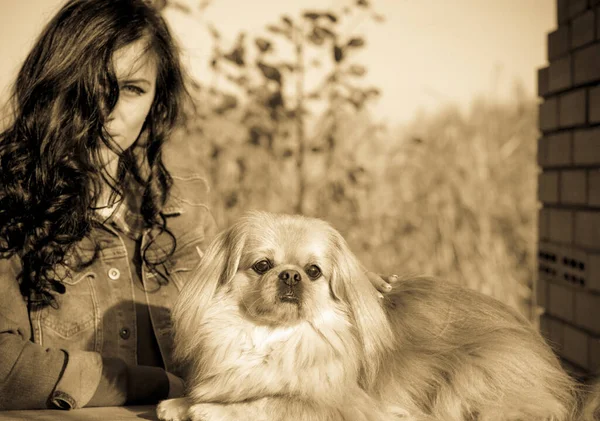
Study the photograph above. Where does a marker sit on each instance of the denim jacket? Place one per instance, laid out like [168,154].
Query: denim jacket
[60,357]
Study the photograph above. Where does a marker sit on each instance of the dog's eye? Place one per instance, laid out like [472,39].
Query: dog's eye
[261,266]
[313,271]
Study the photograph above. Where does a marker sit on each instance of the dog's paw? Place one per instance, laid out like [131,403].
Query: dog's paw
[173,410]
[211,412]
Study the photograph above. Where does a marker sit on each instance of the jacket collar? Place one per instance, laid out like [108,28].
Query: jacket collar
[126,217]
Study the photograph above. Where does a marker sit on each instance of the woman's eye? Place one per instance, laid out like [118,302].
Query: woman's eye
[133,89]
[261,266]
[313,271]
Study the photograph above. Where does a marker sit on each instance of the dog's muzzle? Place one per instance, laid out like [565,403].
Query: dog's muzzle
[290,286]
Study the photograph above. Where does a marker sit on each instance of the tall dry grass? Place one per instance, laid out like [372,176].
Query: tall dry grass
[457,198]
[452,194]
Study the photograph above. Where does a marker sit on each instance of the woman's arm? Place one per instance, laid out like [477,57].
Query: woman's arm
[28,372]
[121,384]
[35,377]
[32,376]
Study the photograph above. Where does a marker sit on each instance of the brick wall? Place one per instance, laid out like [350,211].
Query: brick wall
[568,285]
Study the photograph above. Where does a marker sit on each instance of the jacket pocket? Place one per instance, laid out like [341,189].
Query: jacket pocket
[74,323]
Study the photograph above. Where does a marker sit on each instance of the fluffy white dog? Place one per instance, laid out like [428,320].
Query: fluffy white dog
[280,323]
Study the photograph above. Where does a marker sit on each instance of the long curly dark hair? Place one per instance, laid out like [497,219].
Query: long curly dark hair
[49,154]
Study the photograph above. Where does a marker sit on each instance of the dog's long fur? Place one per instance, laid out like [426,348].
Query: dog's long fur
[428,351]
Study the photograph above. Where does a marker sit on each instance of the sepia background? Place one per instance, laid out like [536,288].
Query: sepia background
[410,125]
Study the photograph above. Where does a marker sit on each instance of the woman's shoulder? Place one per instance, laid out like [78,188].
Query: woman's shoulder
[189,192]
[189,200]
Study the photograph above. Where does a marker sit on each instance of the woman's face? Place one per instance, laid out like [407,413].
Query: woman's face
[136,75]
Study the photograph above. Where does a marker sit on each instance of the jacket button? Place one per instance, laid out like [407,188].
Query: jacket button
[124,333]
[114,273]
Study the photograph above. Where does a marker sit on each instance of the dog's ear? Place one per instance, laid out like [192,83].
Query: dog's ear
[350,284]
[217,267]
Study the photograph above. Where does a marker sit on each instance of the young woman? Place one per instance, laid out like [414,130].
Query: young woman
[96,236]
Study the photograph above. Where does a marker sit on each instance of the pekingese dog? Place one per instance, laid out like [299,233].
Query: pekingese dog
[280,323]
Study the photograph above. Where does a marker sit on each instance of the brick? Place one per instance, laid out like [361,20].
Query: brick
[543,80]
[597,19]
[544,329]
[541,293]
[577,373]
[548,187]
[593,270]
[561,300]
[544,326]
[583,29]
[556,334]
[549,261]
[560,226]
[575,346]
[594,187]
[594,353]
[577,7]
[587,311]
[586,64]
[559,148]
[548,115]
[543,224]
[558,43]
[562,11]
[573,187]
[586,146]
[594,104]
[542,151]
[559,74]
[572,108]
[572,267]
[587,229]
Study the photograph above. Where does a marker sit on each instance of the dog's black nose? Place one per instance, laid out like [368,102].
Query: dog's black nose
[290,277]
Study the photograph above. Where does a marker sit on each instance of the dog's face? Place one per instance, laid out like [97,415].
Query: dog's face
[285,271]
[281,270]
